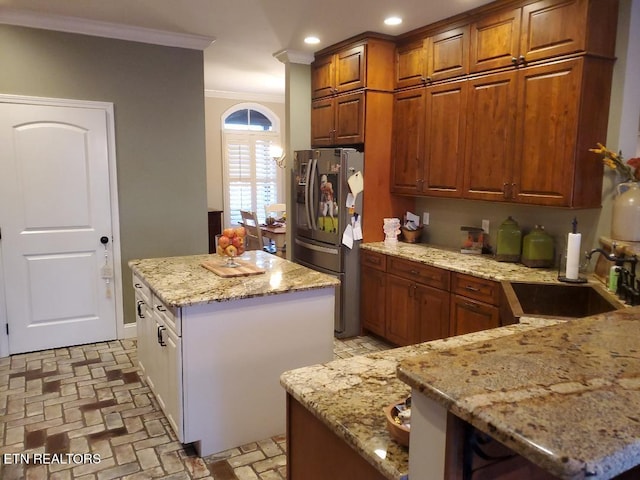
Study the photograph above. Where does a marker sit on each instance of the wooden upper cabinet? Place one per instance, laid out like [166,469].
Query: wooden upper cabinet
[338,72]
[448,54]
[546,134]
[495,41]
[323,76]
[489,142]
[444,139]
[338,120]
[407,141]
[541,30]
[438,57]
[411,64]
[365,64]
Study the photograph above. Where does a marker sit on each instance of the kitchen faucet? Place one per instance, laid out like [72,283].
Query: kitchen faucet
[628,288]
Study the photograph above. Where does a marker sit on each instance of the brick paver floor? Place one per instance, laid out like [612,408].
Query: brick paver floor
[83,413]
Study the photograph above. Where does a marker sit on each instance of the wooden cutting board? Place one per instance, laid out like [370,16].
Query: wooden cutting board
[245,269]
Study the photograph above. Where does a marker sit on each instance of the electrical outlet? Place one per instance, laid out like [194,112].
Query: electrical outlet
[485,226]
[425,218]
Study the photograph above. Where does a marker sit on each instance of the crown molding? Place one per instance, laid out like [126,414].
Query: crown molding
[294,56]
[248,97]
[98,28]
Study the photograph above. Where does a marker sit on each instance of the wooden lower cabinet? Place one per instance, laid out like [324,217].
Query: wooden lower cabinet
[407,302]
[468,315]
[373,287]
[314,452]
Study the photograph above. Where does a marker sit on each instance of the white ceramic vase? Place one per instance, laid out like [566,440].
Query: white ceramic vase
[625,222]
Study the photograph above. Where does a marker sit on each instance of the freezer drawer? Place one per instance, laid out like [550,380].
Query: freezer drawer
[328,257]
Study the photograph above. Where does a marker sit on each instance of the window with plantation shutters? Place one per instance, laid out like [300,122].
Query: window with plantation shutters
[252,177]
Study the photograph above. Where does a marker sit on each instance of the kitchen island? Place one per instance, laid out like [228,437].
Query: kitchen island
[212,348]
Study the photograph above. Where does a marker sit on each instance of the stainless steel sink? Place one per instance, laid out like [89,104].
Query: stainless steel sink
[553,300]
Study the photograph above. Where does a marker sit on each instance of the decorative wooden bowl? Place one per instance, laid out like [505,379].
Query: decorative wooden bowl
[399,432]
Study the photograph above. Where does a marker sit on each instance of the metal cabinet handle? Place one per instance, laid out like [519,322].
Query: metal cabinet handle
[161,308]
[137,285]
[514,60]
[473,306]
[522,59]
[140,303]
[470,288]
[160,339]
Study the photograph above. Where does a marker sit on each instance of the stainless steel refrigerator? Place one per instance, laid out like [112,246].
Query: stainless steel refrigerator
[319,218]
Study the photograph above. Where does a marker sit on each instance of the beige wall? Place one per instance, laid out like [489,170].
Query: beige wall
[214,108]
[157,94]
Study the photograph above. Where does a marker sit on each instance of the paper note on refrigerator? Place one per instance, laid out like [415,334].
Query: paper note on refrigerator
[356,183]
[347,237]
[357,228]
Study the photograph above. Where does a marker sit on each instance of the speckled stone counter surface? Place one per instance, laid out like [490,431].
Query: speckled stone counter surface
[566,396]
[182,281]
[349,395]
[483,266]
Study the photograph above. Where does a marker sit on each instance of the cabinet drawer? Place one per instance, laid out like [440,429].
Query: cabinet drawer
[141,289]
[373,260]
[420,273]
[469,316]
[480,289]
[170,316]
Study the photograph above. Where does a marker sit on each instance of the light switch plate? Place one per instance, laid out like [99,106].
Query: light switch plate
[485,226]
[425,218]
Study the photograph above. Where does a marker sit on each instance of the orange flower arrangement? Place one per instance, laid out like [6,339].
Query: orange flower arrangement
[629,171]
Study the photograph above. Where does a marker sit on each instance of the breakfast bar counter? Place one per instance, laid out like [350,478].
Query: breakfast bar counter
[566,397]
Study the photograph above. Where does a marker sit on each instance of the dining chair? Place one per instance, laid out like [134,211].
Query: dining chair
[253,240]
[278,209]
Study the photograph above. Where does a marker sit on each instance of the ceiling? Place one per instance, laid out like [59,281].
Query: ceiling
[249,32]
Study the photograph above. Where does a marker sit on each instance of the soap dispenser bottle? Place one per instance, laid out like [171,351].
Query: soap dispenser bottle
[509,241]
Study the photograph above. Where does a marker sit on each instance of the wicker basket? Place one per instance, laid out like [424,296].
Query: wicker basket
[411,236]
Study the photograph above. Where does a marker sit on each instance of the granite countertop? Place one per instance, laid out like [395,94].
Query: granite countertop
[183,282]
[483,266]
[349,395]
[567,397]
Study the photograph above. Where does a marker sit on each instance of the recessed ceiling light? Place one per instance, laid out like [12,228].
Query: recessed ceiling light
[392,21]
[312,40]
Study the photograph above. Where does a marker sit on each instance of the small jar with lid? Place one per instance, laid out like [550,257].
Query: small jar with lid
[509,241]
[537,248]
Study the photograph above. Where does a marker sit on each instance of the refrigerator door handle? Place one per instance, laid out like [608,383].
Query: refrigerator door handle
[317,248]
[307,192]
[311,205]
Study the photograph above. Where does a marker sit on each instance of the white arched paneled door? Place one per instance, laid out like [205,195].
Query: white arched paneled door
[59,250]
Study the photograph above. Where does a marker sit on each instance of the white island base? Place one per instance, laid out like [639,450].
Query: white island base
[233,355]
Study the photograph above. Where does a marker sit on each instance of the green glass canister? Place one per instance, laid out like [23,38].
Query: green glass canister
[537,248]
[509,241]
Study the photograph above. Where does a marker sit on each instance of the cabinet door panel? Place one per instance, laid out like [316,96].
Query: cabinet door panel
[350,69]
[489,136]
[469,316]
[495,40]
[433,313]
[444,140]
[552,28]
[322,77]
[401,311]
[411,68]
[172,351]
[448,54]
[408,131]
[372,299]
[546,132]
[349,119]
[322,122]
